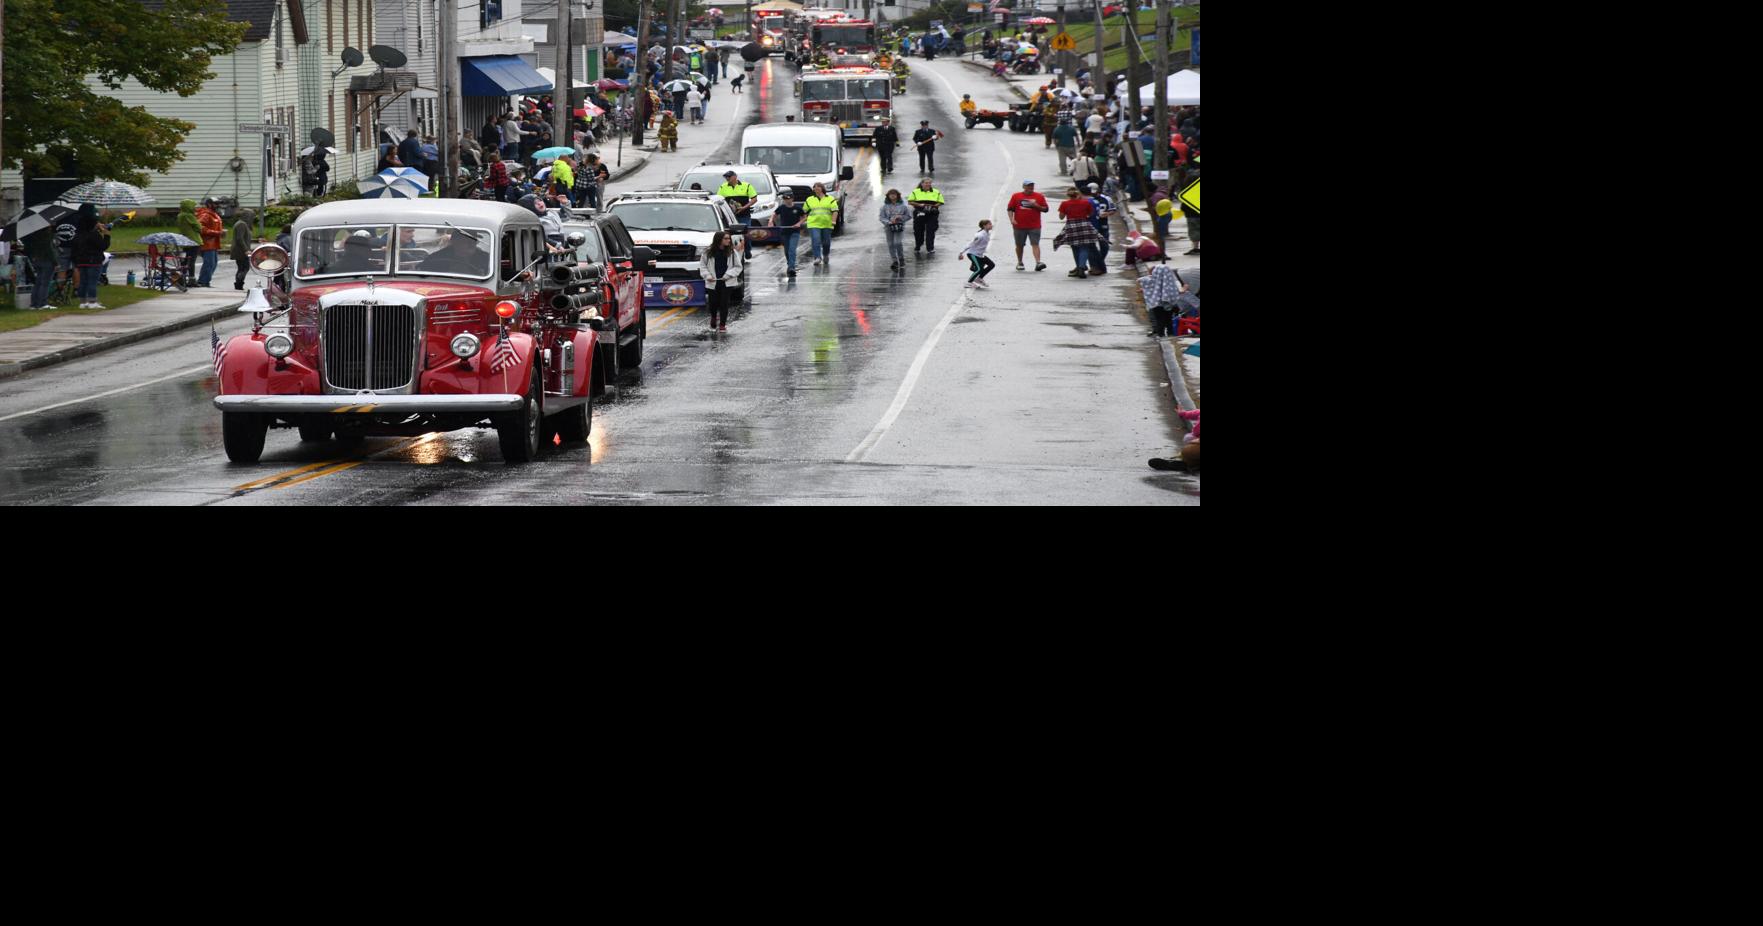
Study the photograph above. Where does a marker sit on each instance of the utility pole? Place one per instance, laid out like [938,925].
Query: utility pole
[2,80]
[561,108]
[639,81]
[1161,86]
[449,38]
[1060,58]
[1099,76]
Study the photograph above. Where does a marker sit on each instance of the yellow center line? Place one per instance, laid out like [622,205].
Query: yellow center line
[676,314]
[322,472]
[406,445]
[293,472]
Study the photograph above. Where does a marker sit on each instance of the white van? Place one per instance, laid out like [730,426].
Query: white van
[801,156]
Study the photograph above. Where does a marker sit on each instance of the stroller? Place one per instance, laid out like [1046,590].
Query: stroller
[165,269]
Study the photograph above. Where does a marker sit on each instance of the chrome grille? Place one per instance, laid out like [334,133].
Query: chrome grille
[675,252]
[369,346]
[848,111]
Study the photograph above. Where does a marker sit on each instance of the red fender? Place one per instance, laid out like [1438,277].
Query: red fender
[250,370]
[586,343]
[449,377]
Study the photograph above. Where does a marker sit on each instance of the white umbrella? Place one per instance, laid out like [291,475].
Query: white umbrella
[678,86]
[307,151]
[700,79]
[107,193]
[406,182]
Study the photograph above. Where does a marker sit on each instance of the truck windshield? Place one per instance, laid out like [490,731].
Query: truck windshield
[871,88]
[713,181]
[351,250]
[360,250]
[822,91]
[845,36]
[444,251]
[691,217]
[792,159]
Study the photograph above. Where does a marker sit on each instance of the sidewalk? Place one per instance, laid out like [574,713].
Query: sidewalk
[696,142]
[63,339]
[1182,368]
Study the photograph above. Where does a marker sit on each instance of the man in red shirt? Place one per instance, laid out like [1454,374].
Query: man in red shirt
[1025,221]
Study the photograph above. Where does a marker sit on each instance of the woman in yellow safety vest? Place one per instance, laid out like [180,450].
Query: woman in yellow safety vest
[821,212]
[925,200]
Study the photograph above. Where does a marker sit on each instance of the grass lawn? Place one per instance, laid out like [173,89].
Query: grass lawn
[1114,53]
[112,297]
[124,238]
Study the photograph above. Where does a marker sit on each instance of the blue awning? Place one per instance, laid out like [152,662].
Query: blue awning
[499,75]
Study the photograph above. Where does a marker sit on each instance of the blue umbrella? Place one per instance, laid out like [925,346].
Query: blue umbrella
[551,154]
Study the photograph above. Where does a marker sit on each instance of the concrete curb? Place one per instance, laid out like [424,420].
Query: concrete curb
[638,164]
[9,370]
[1178,381]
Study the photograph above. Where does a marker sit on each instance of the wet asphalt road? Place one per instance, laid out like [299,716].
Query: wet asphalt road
[851,384]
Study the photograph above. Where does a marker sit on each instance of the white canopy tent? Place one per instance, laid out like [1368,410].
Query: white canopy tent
[575,83]
[1184,90]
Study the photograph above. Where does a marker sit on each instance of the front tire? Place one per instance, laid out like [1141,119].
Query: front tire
[518,431]
[243,433]
[574,425]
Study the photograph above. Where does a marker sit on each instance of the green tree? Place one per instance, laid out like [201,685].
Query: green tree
[52,118]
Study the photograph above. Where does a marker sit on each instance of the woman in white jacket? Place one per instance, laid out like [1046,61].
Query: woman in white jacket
[720,266]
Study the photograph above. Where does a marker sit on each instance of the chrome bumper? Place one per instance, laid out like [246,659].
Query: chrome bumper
[368,404]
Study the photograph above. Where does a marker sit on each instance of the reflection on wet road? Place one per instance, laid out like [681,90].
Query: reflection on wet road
[1040,391]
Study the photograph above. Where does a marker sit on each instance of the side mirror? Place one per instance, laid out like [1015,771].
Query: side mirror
[644,257]
[575,240]
[600,324]
[847,174]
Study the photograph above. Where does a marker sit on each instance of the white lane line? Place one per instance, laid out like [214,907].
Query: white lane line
[918,363]
[50,408]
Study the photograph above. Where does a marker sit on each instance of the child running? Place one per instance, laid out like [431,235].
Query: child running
[975,252]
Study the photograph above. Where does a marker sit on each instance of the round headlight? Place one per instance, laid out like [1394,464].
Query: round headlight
[268,258]
[465,346]
[506,309]
[278,345]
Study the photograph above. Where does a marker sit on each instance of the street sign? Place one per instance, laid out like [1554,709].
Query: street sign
[1064,42]
[1159,175]
[1191,196]
[263,128]
[976,8]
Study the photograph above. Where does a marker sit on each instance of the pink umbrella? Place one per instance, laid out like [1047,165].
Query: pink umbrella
[589,109]
[1000,9]
[1039,21]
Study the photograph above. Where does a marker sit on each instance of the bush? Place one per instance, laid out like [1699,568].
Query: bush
[345,190]
[278,216]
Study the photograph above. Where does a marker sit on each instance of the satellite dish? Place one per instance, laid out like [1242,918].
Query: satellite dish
[386,56]
[352,57]
[323,138]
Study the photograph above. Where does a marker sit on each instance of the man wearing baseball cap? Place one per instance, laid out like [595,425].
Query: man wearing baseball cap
[1025,210]
[1104,212]
[790,218]
[926,140]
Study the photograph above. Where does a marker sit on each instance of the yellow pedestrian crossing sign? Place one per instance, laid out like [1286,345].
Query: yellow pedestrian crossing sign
[1190,197]
[1063,42]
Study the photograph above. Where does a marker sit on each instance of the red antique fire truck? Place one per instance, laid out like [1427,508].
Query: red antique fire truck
[428,315]
[856,99]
